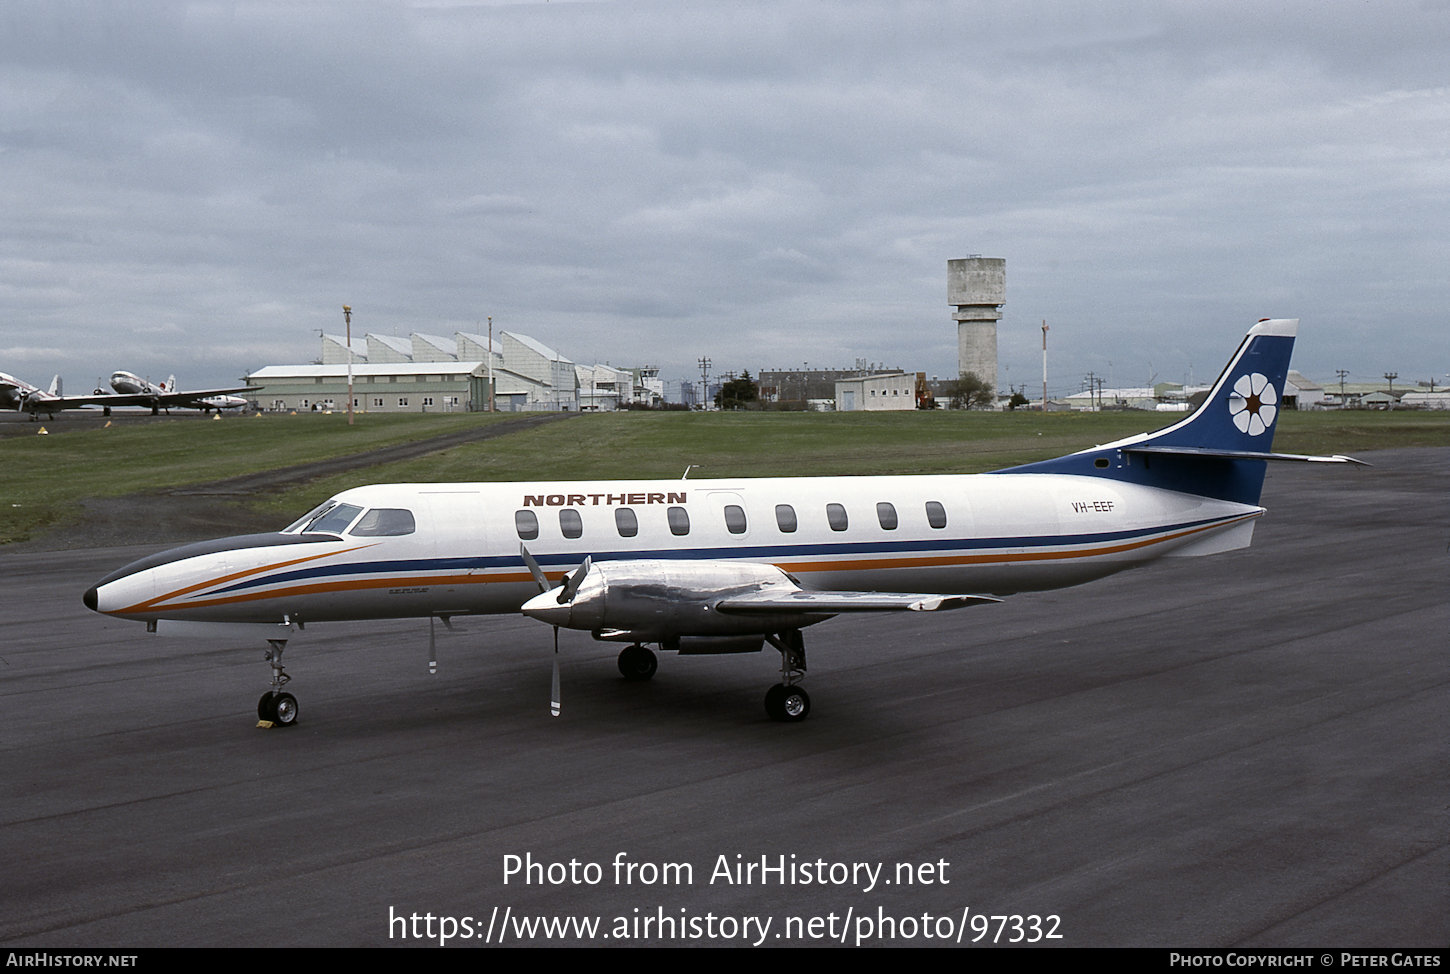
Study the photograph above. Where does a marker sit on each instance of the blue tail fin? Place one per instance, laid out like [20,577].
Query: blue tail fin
[1222,448]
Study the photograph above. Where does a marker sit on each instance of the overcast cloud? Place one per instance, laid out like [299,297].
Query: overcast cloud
[198,187]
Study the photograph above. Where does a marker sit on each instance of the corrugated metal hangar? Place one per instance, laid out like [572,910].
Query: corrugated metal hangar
[430,373]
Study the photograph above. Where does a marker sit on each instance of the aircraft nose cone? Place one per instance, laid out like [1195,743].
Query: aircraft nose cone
[546,608]
[91,598]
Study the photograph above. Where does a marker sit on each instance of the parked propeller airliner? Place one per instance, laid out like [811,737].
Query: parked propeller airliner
[715,566]
[144,392]
[129,390]
[22,396]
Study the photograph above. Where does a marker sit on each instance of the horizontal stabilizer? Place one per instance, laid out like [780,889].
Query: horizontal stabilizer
[1198,451]
[804,601]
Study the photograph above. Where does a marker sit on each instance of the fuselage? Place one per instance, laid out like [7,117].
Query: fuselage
[127,383]
[403,550]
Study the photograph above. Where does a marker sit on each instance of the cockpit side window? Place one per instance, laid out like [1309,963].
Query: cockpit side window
[333,520]
[385,522]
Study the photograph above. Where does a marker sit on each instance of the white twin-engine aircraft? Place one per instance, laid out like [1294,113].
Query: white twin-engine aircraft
[722,566]
[136,391]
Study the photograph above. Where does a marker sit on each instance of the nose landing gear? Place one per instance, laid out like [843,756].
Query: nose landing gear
[276,707]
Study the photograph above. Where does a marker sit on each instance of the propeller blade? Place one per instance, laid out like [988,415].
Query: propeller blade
[554,701]
[572,582]
[535,570]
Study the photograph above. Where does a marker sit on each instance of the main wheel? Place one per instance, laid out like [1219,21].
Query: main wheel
[787,704]
[637,663]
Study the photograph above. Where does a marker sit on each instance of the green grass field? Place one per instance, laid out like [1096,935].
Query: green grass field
[46,477]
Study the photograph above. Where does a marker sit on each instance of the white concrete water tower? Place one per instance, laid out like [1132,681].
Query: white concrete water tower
[977,286]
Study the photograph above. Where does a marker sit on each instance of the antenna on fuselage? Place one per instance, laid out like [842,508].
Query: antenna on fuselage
[686,474]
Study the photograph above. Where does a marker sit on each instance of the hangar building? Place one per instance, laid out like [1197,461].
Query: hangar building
[428,373]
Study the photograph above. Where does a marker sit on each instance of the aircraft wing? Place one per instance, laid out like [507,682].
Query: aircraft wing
[762,603]
[54,404]
[96,399]
[195,395]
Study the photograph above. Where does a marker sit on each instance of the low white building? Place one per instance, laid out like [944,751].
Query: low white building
[896,390]
[603,388]
[1090,400]
[1301,392]
[390,387]
[1423,399]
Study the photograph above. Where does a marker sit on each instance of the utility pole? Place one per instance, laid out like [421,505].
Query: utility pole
[1390,377]
[1044,365]
[490,364]
[347,316]
[1341,373]
[704,381]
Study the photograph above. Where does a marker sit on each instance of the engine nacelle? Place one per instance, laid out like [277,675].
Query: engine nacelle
[661,600]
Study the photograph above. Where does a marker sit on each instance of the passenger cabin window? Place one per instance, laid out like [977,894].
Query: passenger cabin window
[385,522]
[836,516]
[571,525]
[335,520]
[886,514]
[679,521]
[526,523]
[734,518]
[626,522]
[785,518]
[936,515]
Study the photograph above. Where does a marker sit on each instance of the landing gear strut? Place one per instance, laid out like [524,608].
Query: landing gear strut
[788,701]
[275,706]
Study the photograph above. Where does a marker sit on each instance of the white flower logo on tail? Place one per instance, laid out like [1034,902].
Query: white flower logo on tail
[1252,404]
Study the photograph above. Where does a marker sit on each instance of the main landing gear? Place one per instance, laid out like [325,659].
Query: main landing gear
[788,701]
[275,706]
[637,664]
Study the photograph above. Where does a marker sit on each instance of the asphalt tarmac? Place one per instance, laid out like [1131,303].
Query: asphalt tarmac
[1243,750]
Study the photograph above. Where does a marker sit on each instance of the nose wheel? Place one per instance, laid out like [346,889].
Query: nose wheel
[279,708]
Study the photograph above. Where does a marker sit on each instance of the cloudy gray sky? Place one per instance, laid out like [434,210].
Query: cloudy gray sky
[199,187]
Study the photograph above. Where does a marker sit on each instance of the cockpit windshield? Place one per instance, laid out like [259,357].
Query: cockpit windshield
[297,525]
[334,518]
[329,518]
